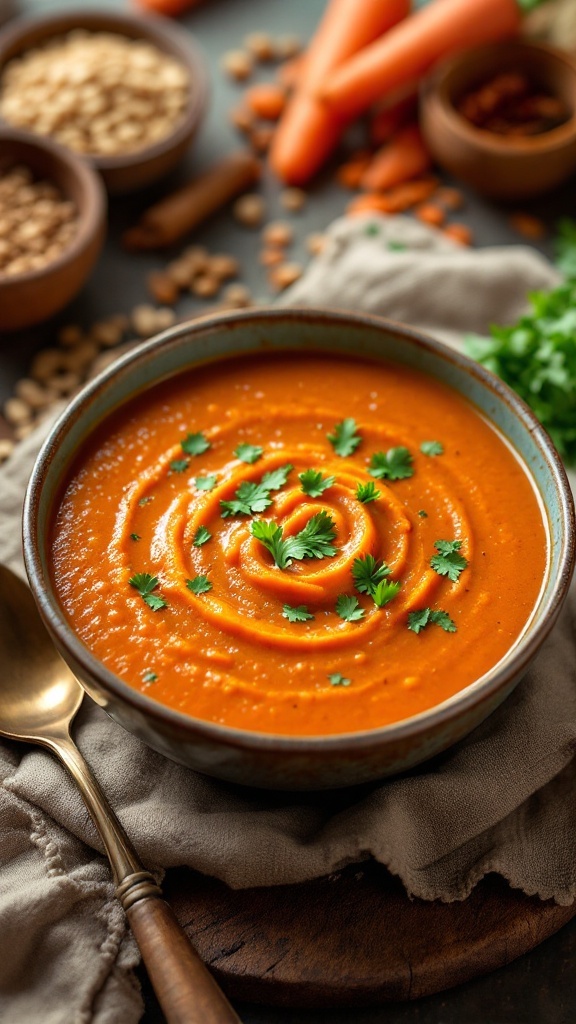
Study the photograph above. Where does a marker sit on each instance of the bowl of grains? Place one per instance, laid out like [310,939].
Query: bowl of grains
[52,227]
[125,92]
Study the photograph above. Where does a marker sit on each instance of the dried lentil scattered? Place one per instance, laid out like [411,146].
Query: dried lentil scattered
[293,199]
[237,64]
[249,210]
[37,223]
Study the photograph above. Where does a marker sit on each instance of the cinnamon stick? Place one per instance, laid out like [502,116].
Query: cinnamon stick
[179,213]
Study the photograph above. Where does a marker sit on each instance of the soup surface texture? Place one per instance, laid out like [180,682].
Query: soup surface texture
[299,543]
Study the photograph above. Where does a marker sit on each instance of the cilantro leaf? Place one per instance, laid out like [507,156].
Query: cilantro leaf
[423,514]
[276,478]
[349,609]
[250,498]
[314,484]
[367,492]
[195,444]
[432,448]
[314,541]
[367,573]
[417,621]
[336,679]
[345,440]
[448,562]
[179,465]
[385,592]
[298,614]
[199,585]
[144,583]
[149,677]
[270,535]
[249,453]
[206,483]
[395,464]
[135,536]
[201,536]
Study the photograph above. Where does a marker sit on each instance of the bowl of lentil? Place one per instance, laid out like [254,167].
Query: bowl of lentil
[126,93]
[52,227]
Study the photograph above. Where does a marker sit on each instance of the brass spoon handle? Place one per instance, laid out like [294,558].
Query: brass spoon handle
[185,989]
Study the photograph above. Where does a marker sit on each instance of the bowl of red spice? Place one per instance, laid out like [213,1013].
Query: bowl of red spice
[502,118]
[124,92]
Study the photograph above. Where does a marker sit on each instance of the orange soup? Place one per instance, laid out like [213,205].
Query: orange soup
[299,543]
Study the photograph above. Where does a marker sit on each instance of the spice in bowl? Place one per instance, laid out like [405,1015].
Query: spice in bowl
[510,104]
[37,223]
[96,92]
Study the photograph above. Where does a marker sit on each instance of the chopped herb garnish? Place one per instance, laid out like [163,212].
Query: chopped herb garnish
[249,453]
[202,535]
[255,497]
[397,246]
[367,492]
[149,677]
[345,440]
[372,229]
[145,501]
[432,448]
[367,573]
[314,484]
[349,609]
[179,465]
[144,583]
[206,483]
[448,562]
[314,541]
[395,464]
[298,614]
[199,585]
[195,444]
[135,536]
[385,592]
[423,514]
[417,621]
[338,680]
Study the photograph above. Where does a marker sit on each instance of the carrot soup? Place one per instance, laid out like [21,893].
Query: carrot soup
[302,544]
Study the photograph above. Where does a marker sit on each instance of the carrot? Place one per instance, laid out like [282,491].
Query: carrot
[350,173]
[307,132]
[430,213]
[289,72]
[403,158]
[410,48]
[404,196]
[460,233]
[370,202]
[386,121]
[171,8]
[266,100]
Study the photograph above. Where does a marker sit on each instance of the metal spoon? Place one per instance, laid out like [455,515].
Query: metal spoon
[39,698]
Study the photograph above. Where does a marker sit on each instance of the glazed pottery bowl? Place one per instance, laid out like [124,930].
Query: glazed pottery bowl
[29,298]
[501,166]
[274,761]
[131,171]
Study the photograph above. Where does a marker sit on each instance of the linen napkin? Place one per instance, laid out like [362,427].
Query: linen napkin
[502,800]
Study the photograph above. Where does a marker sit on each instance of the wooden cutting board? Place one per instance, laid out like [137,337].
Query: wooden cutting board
[354,938]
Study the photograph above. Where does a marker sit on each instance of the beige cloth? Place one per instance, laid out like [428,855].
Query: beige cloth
[503,800]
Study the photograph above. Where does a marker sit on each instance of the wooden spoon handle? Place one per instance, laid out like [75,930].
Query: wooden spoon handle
[185,988]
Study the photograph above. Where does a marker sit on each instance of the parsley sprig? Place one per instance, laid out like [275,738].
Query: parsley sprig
[337,679]
[417,621]
[249,453]
[298,614]
[199,585]
[345,438]
[367,492]
[179,465]
[195,444]
[206,483]
[385,592]
[252,497]
[349,609]
[144,583]
[314,484]
[448,562]
[367,573]
[314,541]
[395,464]
[432,448]
[201,536]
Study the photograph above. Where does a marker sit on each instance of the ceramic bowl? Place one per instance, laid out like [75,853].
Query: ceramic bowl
[500,166]
[285,762]
[27,299]
[126,173]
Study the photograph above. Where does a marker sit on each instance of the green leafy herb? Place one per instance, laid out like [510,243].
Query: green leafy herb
[149,677]
[298,614]
[145,501]
[385,592]
[338,680]
[367,573]
[432,448]
[372,229]
[179,465]
[206,483]
[417,621]
[448,562]
[255,497]
[249,453]
[314,541]
[397,246]
[202,535]
[144,583]
[349,609]
[367,492]
[395,464]
[195,444]
[276,478]
[345,440]
[314,484]
[566,248]
[423,514]
[135,536]
[199,585]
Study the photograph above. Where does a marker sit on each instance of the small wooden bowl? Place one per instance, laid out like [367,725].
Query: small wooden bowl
[27,299]
[499,166]
[132,171]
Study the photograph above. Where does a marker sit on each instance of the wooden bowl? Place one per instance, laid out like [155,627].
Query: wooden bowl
[502,167]
[132,171]
[29,298]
